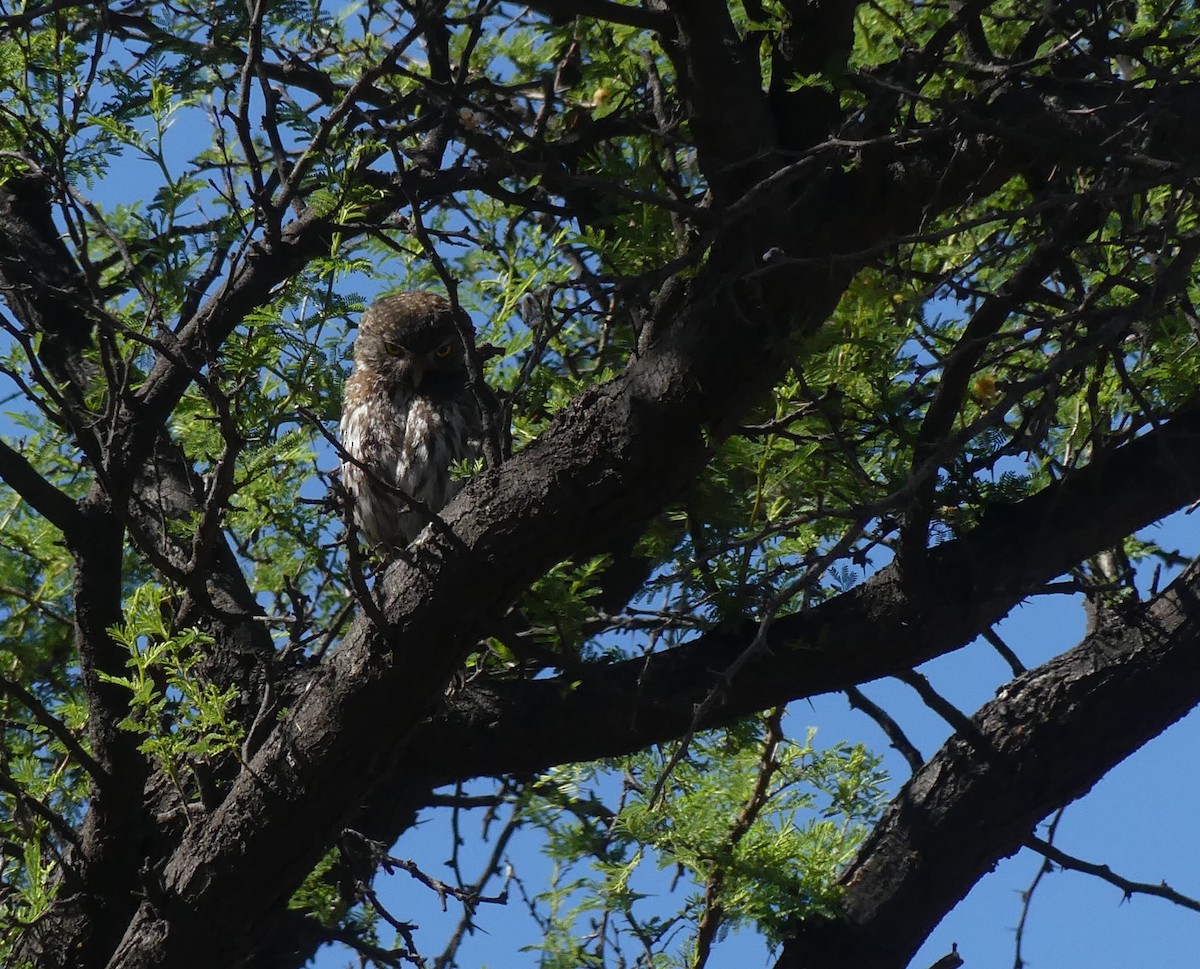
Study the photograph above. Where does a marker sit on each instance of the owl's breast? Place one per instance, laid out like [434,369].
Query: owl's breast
[403,444]
[436,434]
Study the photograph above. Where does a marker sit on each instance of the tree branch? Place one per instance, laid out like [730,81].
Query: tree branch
[114,831]
[721,83]
[613,13]
[877,629]
[56,507]
[52,724]
[1043,743]
[41,282]
[896,736]
[1128,887]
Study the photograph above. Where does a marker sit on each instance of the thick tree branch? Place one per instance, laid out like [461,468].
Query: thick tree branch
[877,629]
[816,38]
[56,507]
[502,727]
[1043,743]
[114,831]
[721,83]
[41,282]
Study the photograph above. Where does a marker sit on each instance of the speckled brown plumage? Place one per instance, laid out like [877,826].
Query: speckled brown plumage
[408,414]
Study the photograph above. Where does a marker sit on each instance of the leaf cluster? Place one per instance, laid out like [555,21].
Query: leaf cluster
[754,837]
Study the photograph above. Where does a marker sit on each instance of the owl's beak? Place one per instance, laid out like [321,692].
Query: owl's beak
[416,370]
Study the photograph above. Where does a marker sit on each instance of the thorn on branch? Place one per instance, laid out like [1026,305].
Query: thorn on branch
[952,960]
[469,897]
[1128,887]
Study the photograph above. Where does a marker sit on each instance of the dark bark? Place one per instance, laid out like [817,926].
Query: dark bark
[1045,741]
[616,13]
[721,87]
[53,300]
[115,832]
[878,629]
[41,496]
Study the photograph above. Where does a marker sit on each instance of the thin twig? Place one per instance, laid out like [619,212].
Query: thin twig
[42,810]
[938,703]
[714,910]
[1001,647]
[55,726]
[1027,895]
[1104,873]
[890,727]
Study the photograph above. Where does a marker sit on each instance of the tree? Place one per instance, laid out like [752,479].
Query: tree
[824,333]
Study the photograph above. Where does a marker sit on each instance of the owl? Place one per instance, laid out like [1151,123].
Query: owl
[408,413]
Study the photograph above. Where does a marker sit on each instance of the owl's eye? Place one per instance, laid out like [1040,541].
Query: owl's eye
[443,351]
[395,349]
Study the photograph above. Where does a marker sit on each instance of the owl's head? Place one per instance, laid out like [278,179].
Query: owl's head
[411,339]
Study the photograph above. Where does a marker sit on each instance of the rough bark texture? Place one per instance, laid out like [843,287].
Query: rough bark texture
[791,218]
[1042,743]
[876,630]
